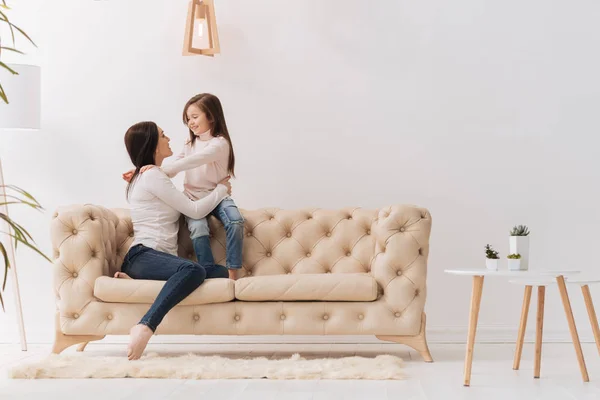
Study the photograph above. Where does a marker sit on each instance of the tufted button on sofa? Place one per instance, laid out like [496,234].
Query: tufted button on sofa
[305,272]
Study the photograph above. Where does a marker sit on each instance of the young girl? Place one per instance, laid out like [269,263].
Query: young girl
[207,158]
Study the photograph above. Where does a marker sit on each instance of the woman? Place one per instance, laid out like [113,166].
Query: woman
[156,206]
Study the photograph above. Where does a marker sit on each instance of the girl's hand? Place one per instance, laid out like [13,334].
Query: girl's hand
[146,168]
[128,175]
[227,184]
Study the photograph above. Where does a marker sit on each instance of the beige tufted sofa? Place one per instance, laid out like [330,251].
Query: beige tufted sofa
[306,272]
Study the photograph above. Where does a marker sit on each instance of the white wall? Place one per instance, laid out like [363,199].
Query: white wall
[485,112]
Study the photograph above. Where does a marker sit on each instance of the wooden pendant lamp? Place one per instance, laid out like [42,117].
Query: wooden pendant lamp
[201,36]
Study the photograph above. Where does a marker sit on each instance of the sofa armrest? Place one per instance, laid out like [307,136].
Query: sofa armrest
[400,262]
[85,247]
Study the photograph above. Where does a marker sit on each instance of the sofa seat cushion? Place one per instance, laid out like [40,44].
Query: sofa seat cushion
[112,290]
[307,287]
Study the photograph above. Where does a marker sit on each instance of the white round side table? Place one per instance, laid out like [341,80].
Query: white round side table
[478,276]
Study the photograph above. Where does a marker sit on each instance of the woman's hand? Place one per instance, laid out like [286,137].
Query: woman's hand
[227,184]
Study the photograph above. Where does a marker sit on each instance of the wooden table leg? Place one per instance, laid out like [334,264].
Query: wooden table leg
[538,331]
[522,327]
[591,313]
[569,313]
[473,315]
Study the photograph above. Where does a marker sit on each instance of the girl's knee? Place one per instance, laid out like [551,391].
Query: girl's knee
[237,218]
[235,225]
[198,227]
[233,215]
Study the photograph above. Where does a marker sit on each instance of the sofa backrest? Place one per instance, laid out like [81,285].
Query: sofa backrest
[298,241]
[311,241]
[308,241]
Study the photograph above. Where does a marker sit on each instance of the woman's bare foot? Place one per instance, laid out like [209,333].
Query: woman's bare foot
[233,274]
[122,275]
[139,337]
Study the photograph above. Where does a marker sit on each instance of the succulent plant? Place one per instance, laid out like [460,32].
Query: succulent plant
[514,256]
[490,252]
[519,230]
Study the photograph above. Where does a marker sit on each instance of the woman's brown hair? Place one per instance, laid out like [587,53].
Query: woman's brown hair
[141,141]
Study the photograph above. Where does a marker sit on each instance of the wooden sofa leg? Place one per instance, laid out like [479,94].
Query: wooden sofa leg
[62,341]
[418,342]
[81,346]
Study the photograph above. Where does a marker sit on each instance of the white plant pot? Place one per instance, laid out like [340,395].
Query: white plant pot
[491,263]
[514,264]
[520,245]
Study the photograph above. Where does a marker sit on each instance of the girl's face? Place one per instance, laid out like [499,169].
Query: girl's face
[163,148]
[197,120]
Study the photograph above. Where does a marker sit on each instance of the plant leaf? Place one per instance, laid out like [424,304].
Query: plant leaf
[26,35]
[3,95]
[34,248]
[8,221]
[24,193]
[12,71]
[36,206]
[10,25]
[13,202]
[11,49]
[15,230]
[6,264]
[22,202]
[18,229]
[6,267]
[19,236]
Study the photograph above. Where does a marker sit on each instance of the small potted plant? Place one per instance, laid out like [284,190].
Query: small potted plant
[519,244]
[491,258]
[514,262]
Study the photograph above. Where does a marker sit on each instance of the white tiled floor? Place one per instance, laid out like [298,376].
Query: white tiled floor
[493,377]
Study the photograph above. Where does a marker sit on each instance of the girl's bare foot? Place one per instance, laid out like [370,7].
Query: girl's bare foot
[139,337]
[233,274]
[122,275]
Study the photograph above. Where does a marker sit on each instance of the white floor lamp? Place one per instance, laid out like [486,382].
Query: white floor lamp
[22,113]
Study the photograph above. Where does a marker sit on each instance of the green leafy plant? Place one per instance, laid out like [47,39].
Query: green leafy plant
[490,252]
[514,256]
[16,232]
[4,8]
[519,230]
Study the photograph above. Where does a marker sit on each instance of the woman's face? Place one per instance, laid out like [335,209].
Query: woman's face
[197,121]
[163,148]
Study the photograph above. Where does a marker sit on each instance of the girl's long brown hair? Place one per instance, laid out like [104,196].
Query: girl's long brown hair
[211,106]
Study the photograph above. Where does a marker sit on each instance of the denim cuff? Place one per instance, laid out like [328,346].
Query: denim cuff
[142,322]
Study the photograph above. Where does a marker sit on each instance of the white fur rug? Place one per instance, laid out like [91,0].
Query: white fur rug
[210,367]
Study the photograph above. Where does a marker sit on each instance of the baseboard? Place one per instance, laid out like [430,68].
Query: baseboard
[451,334]
[501,334]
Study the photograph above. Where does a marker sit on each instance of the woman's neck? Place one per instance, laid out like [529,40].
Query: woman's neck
[158,161]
